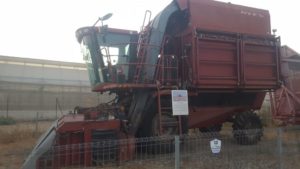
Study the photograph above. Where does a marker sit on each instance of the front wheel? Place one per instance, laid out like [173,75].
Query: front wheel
[165,142]
[247,128]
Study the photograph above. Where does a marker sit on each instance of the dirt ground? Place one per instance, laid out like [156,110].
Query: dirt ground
[16,141]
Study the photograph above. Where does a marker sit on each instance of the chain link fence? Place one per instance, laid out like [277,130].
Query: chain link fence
[279,148]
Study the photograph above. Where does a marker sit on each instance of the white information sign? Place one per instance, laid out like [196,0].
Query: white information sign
[180,102]
[215,146]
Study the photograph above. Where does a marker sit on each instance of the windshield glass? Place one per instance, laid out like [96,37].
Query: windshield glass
[107,55]
[87,57]
[110,55]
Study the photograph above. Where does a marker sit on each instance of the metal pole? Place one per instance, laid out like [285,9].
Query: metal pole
[177,152]
[36,123]
[279,147]
[56,107]
[7,106]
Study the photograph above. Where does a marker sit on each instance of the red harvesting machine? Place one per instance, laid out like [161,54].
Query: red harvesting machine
[223,55]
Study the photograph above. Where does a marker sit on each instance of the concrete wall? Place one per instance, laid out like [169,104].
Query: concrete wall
[28,86]
[42,71]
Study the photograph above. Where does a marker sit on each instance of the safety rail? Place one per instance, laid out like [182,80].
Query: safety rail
[166,68]
[167,72]
[148,15]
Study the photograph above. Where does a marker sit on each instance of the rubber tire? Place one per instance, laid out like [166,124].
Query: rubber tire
[147,130]
[214,129]
[247,128]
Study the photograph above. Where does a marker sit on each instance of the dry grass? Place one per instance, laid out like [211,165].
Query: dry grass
[16,141]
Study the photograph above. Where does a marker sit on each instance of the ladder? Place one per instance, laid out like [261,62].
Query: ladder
[142,47]
[141,55]
[168,73]
[166,120]
[167,69]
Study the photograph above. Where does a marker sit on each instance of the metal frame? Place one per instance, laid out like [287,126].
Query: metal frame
[284,105]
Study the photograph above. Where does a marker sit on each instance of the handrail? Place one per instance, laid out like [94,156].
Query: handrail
[147,13]
[164,65]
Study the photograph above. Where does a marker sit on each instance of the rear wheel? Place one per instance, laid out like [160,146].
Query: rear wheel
[214,129]
[247,128]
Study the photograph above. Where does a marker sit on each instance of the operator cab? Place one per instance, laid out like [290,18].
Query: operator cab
[108,53]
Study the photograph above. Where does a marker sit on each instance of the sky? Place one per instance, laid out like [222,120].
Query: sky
[45,29]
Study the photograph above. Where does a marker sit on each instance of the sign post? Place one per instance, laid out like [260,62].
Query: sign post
[179,107]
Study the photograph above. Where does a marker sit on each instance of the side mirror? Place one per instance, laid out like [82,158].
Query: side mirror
[103,18]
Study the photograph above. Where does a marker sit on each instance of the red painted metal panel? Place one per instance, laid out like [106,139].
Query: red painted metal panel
[216,60]
[125,86]
[203,116]
[285,106]
[286,100]
[227,60]
[76,139]
[214,15]
[207,116]
[87,148]
[73,136]
[260,66]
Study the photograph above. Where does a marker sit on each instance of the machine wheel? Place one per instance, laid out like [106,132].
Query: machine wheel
[247,128]
[163,144]
[166,131]
[213,129]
